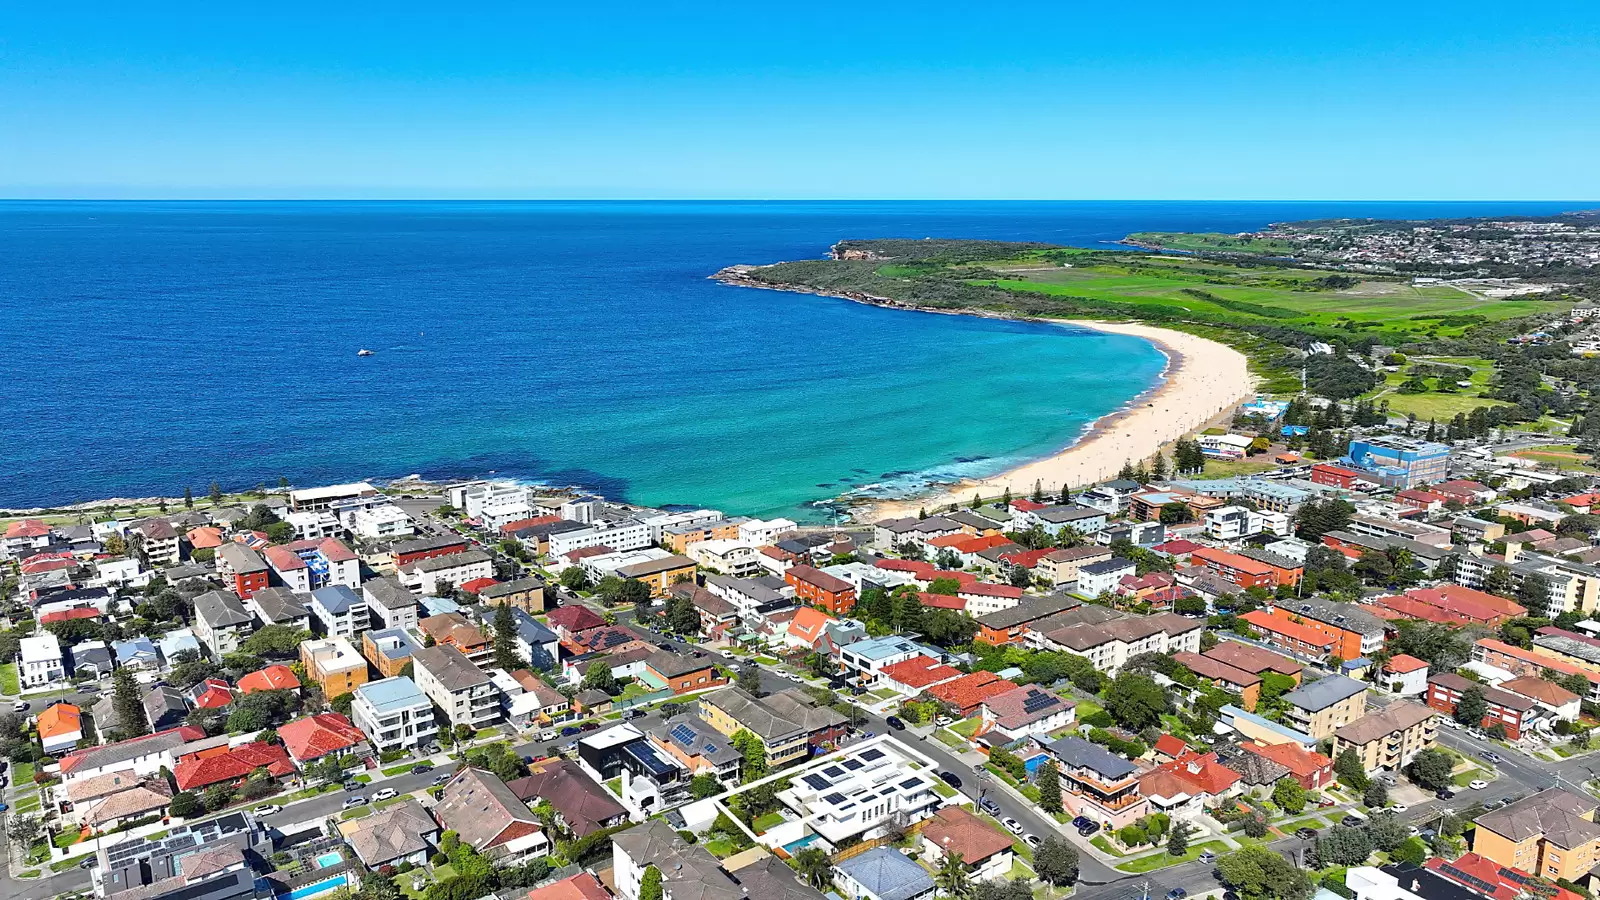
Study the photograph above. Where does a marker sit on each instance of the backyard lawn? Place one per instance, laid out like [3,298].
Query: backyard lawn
[968,727]
[9,685]
[769,821]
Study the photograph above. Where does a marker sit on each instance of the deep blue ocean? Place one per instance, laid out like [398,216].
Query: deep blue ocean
[145,347]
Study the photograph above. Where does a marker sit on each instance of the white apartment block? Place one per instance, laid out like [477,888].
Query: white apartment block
[388,521]
[462,692]
[498,504]
[1233,523]
[759,532]
[735,558]
[451,571]
[621,535]
[394,714]
[660,522]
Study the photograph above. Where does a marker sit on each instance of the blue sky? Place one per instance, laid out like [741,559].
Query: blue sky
[1349,100]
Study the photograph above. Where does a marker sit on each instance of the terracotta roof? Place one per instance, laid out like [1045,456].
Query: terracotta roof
[1297,759]
[582,886]
[204,769]
[819,579]
[27,528]
[920,671]
[1026,559]
[1232,561]
[1252,658]
[1170,745]
[941,601]
[808,623]
[956,830]
[575,618]
[213,693]
[968,691]
[1201,773]
[1540,690]
[143,797]
[985,589]
[205,537]
[1403,663]
[68,615]
[319,735]
[1260,618]
[60,720]
[1216,670]
[272,678]
[477,584]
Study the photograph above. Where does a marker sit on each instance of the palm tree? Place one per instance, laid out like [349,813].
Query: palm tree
[1069,537]
[814,867]
[952,877]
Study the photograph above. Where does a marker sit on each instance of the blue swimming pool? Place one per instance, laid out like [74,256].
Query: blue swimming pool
[321,887]
[329,859]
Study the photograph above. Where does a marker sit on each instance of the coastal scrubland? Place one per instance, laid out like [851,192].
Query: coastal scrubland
[1255,305]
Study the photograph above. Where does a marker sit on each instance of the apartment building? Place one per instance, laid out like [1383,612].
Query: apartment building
[1355,631]
[241,569]
[221,622]
[1241,570]
[1551,834]
[463,692]
[158,542]
[394,714]
[341,610]
[446,573]
[1110,638]
[390,604]
[389,650]
[1061,567]
[660,574]
[1522,662]
[1399,462]
[40,661]
[1233,523]
[816,587]
[1387,740]
[787,723]
[1322,707]
[334,664]
[1513,712]
[1097,783]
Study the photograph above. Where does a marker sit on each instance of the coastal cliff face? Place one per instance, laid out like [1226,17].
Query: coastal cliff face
[739,276]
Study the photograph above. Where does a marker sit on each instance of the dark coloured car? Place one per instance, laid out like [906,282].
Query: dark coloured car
[1230,895]
[1305,833]
[570,730]
[857,691]
[1352,821]
[1082,822]
[1445,794]
[895,723]
[1088,829]
[421,767]
[951,779]
[1177,894]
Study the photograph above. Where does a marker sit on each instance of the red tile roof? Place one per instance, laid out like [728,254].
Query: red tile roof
[1260,618]
[1027,505]
[941,601]
[272,678]
[1298,760]
[920,671]
[283,559]
[575,618]
[213,693]
[67,615]
[319,735]
[1170,745]
[955,829]
[184,732]
[808,623]
[1177,547]
[1201,772]
[477,584]
[582,886]
[1026,559]
[971,544]
[1466,600]
[205,537]
[985,589]
[207,768]
[1403,663]
[969,691]
[27,528]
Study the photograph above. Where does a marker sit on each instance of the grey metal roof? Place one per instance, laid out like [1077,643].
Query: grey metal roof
[450,666]
[887,874]
[336,598]
[388,593]
[281,604]
[1079,753]
[1323,693]
[221,610]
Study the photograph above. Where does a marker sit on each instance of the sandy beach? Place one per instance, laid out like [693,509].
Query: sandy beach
[1203,379]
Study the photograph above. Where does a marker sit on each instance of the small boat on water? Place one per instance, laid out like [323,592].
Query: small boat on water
[363,352]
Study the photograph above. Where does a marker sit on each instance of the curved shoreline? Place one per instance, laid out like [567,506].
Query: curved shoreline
[1202,380]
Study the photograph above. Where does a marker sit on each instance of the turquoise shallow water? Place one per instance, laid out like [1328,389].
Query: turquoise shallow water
[153,346]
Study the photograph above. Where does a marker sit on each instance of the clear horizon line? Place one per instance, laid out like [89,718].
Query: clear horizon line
[470,199]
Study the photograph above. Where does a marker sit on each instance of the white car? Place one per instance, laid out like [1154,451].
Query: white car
[354,802]
[1012,825]
[943,721]
[793,677]
[267,809]
[1397,807]
[1478,784]
[385,794]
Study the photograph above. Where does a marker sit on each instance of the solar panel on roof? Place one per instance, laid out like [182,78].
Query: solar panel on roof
[910,783]
[872,754]
[853,764]
[835,798]
[683,734]
[833,771]
[817,782]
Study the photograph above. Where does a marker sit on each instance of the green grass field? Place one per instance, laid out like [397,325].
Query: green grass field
[1439,405]
[10,685]
[1394,311]
[1163,859]
[1563,456]
[1210,241]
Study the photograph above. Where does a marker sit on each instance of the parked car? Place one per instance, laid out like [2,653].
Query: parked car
[4,807]
[1326,802]
[1177,894]
[421,767]
[991,807]
[1305,833]
[1445,794]
[20,706]
[1089,829]
[1012,825]
[350,785]
[570,730]
[942,721]
[1478,784]
[1352,821]
[353,802]
[1031,840]
[1495,804]
[951,779]
[895,723]
[1397,807]
[432,748]
[1208,857]
[385,794]
[88,862]
[267,809]
[857,691]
